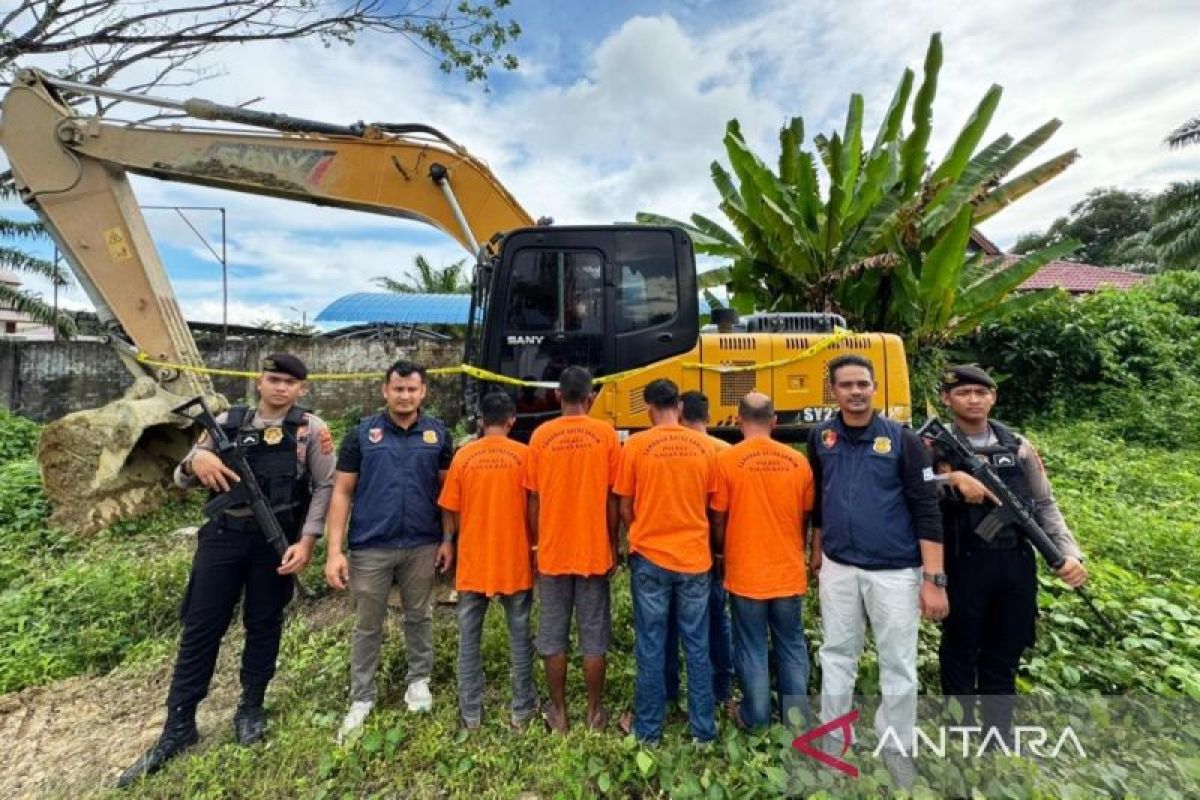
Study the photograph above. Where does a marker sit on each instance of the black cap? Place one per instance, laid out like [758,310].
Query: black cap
[966,375]
[287,364]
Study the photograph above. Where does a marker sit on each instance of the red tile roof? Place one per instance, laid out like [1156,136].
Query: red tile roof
[1079,278]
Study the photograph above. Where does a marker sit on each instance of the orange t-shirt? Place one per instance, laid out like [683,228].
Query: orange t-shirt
[572,465]
[484,487]
[669,471]
[767,488]
[719,445]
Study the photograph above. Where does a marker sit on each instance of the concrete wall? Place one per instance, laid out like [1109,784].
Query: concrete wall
[45,380]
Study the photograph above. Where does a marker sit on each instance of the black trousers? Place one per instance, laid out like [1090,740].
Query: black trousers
[229,564]
[993,608]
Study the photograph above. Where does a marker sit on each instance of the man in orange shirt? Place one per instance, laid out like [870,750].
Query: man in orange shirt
[666,476]
[764,490]
[572,465]
[483,512]
[696,417]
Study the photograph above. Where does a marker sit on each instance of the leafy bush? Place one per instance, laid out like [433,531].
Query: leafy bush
[1130,358]
[22,502]
[18,436]
[70,605]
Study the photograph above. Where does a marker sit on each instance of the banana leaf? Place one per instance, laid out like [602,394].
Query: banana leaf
[1023,184]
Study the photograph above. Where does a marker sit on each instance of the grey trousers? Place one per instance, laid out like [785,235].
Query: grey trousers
[472,608]
[372,573]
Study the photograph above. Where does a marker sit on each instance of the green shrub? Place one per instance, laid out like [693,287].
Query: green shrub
[1129,358]
[22,502]
[18,437]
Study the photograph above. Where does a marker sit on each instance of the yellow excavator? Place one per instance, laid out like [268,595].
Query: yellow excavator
[619,299]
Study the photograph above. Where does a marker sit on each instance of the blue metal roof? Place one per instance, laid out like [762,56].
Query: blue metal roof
[393,307]
[406,309]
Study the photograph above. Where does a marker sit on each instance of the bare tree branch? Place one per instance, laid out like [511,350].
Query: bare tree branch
[113,35]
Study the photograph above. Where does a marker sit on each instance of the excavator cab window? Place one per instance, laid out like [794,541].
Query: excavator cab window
[609,299]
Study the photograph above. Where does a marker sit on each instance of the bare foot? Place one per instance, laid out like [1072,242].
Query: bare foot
[599,720]
[625,723]
[556,719]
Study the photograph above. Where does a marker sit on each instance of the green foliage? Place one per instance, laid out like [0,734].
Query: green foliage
[1186,134]
[14,258]
[887,245]
[1132,508]
[1131,359]
[426,278]
[18,437]
[23,504]
[82,606]
[1102,222]
[1176,231]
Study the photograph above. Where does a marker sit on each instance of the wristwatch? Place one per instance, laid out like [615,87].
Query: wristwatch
[938,579]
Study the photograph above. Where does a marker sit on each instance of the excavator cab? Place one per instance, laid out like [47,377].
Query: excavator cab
[611,298]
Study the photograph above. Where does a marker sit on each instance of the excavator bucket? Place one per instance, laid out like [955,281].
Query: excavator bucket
[110,463]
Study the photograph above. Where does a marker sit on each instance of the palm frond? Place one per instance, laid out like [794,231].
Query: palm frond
[36,309]
[19,261]
[1185,134]
[12,229]
[1176,197]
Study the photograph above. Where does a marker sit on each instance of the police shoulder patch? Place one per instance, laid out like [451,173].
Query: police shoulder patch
[829,438]
[375,435]
[882,445]
[429,437]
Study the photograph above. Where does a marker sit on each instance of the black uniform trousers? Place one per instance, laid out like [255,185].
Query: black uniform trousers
[228,564]
[993,609]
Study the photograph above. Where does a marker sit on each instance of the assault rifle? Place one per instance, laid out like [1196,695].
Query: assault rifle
[1012,509]
[247,491]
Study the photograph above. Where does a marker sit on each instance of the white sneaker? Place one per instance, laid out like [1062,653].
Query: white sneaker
[418,696]
[355,717]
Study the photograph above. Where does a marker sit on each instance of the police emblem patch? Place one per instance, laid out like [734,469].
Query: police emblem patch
[375,435]
[429,437]
[882,445]
[829,438]
[273,435]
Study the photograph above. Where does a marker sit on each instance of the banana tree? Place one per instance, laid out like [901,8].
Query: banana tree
[883,238]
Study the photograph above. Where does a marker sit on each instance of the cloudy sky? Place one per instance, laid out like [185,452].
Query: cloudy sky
[620,106]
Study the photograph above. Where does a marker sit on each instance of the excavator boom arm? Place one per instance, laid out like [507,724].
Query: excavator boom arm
[73,171]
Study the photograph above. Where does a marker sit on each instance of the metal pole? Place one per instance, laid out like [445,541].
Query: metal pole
[54,282]
[224,283]
[222,257]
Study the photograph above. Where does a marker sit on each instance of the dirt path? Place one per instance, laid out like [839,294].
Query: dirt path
[73,738]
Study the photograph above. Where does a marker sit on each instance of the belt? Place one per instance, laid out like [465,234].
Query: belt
[998,543]
[248,523]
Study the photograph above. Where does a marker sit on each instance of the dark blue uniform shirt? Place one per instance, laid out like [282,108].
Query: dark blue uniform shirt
[395,500]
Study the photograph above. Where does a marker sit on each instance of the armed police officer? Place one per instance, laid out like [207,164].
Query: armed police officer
[290,453]
[993,581]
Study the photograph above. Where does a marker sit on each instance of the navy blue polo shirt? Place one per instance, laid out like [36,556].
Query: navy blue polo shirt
[395,499]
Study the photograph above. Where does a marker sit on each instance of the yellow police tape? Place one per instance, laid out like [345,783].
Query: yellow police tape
[485,375]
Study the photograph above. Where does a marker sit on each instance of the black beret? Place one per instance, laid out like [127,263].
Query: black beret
[966,375]
[287,364]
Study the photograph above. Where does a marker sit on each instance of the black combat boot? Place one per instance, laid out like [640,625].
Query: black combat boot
[179,733]
[249,724]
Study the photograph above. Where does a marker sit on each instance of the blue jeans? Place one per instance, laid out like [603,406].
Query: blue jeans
[720,646]
[783,617]
[472,608]
[654,588]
